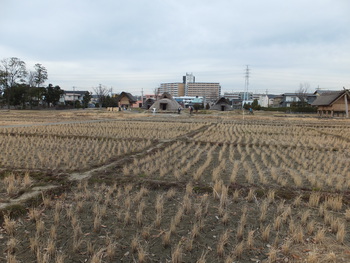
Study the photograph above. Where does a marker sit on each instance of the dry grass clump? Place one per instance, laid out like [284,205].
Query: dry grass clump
[310,227]
[250,239]
[141,254]
[13,183]
[298,235]
[263,210]
[34,214]
[305,216]
[11,245]
[242,224]
[236,195]
[320,235]
[176,256]
[341,232]
[187,204]
[334,203]
[171,193]
[34,244]
[179,215]
[285,248]
[347,214]
[222,242]
[272,255]
[9,225]
[251,195]
[239,250]
[97,256]
[312,257]
[265,235]
[314,199]
[198,174]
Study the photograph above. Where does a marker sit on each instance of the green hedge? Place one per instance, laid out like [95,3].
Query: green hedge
[291,109]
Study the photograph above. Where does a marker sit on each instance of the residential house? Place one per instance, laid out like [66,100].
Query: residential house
[289,98]
[72,96]
[266,100]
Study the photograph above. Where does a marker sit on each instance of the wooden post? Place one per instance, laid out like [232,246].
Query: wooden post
[346,105]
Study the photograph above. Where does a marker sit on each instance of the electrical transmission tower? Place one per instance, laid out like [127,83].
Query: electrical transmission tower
[245,93]
[246,85]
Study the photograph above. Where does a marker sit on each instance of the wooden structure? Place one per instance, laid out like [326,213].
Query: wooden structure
[333,103]
[221,105]
[125,100]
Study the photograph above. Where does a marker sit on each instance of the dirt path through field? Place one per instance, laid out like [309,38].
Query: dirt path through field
[77,176]
[35,191]
[87,174]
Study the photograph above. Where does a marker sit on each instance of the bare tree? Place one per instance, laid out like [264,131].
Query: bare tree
[31,79]
[101,93]
[302,92]
[35,81]
[40,74]
[13,71]
[156,93]
[2,81]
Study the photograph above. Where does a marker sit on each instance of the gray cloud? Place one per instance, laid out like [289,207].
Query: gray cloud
[138,44]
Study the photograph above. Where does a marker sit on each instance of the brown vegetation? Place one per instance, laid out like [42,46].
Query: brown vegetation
[213,191]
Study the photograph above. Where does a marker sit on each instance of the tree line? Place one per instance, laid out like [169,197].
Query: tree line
[23,88]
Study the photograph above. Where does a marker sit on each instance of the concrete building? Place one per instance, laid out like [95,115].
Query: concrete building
[176,89]
[240,95]
[210,91]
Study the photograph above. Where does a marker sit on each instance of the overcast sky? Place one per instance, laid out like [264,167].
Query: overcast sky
[138,44]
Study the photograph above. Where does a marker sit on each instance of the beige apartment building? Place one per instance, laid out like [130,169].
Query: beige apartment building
[176,89]
[210,91]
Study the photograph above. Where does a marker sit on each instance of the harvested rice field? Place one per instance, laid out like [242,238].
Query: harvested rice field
[96,186]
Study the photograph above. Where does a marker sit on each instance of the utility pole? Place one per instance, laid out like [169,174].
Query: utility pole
[142,96]
[73,97]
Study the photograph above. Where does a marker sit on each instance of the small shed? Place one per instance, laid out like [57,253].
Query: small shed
[125,100]
[165,103]
[333,103]
[221,104]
